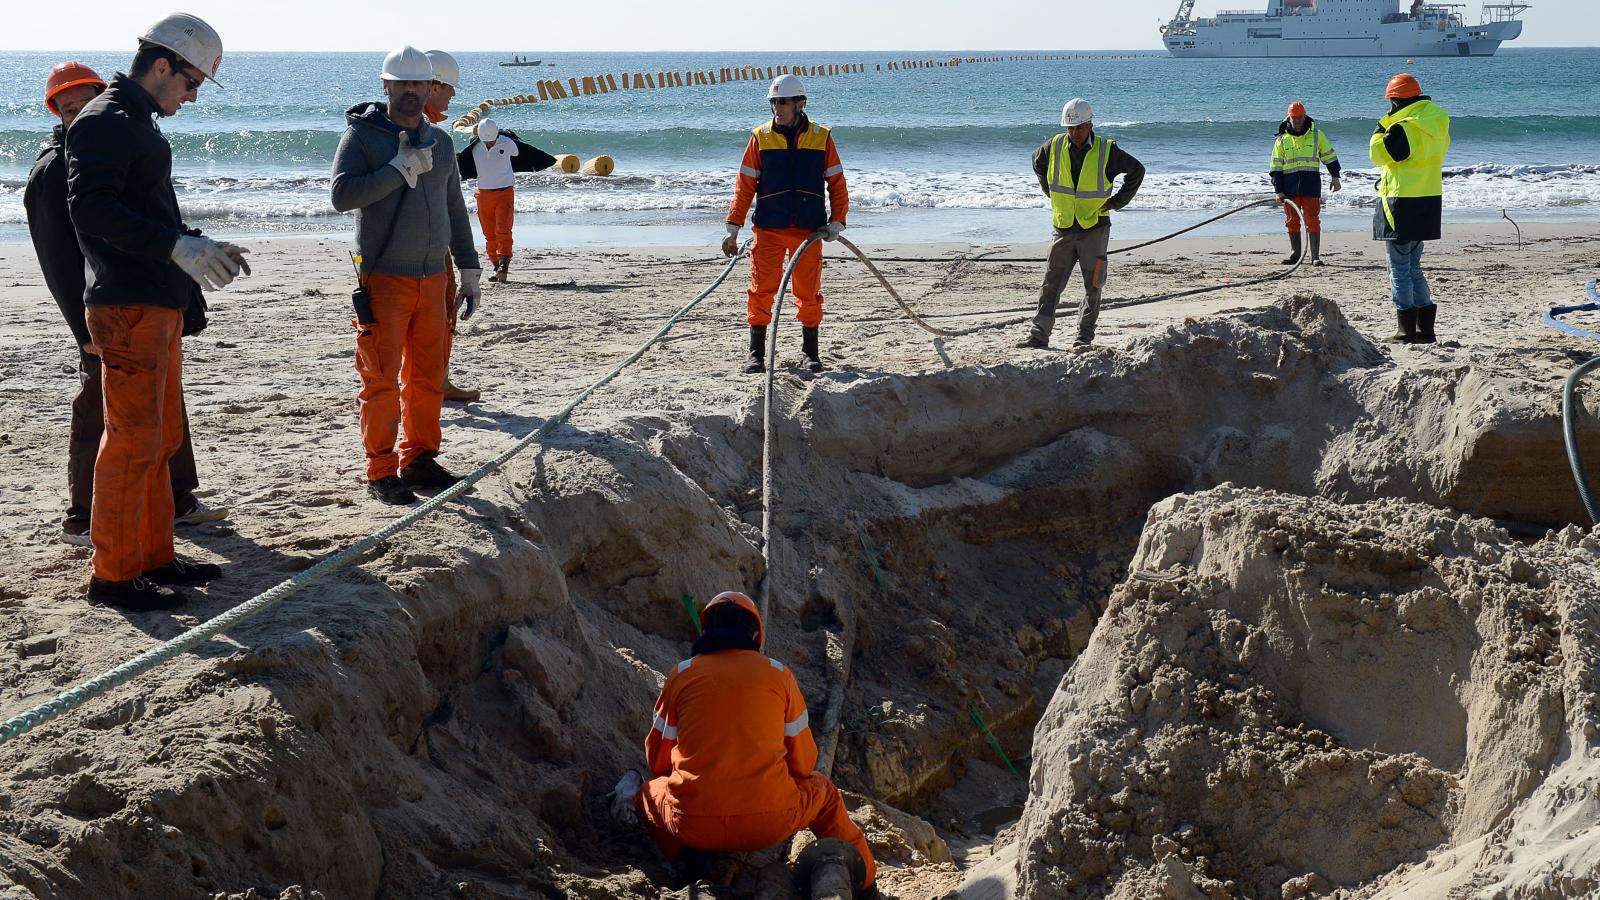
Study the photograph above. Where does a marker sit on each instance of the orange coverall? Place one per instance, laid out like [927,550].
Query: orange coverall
[774,246]
[735,763]
[401,359]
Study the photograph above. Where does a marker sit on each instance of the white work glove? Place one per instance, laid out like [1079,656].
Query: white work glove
[1335,186]
[411,162]
[831,230]
[1282,198]
[730,244]
[205,260]
[469,293]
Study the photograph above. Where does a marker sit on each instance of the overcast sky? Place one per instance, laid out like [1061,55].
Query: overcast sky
[538,26]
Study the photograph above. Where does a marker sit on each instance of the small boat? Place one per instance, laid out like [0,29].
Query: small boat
[522,61]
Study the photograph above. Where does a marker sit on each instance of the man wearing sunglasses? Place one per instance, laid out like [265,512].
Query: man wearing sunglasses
[787,164]
[144,269]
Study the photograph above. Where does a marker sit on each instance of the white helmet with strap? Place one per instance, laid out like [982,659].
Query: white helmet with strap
[1076,112]
[195,42]
[445,68]
[786,86]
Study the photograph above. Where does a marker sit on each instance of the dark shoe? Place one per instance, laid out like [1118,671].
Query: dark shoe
[1425,317]
[1316,249]
[392,491]
[1294,249]
[184,572]
[1408,327]
[427,473]
[758,350]
[139,595]
[454,394]
[1032,342]
[76,534]
[808,346]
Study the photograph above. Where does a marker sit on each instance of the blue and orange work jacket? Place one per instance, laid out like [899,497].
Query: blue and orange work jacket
[786,178]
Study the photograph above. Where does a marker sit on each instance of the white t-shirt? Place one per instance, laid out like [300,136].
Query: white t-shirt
[494,164]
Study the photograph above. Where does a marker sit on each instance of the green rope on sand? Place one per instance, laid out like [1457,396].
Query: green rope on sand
[977,719]
[694,614]
[101,684]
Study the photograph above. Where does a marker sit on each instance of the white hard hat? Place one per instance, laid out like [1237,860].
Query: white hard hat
[445,68]
[488,130]
[786,86]
[1076,112]
[195,42]
[407,64]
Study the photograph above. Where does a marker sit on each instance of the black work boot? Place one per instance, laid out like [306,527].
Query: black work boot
[1316,249]
[183,572]
[808,346]
[1408,327]
[138,595]
[425,472]
[1294,249]
[758,350]
[1425,316]
[391,490]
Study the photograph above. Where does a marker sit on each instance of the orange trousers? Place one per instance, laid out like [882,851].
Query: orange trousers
[1291,215]
[496,212]
[401,359]
[768,256]
[821,811]
[130,520]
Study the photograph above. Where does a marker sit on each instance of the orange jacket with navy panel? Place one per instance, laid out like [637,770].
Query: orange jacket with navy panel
[731,731]
[785,174]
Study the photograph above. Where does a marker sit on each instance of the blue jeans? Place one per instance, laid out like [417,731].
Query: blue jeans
[1408,286]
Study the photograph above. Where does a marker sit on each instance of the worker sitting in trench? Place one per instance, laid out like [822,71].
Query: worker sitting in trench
[731,751]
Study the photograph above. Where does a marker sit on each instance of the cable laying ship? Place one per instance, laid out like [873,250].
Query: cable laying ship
[1291,28]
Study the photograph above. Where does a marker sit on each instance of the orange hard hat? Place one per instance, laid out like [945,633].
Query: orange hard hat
[66,75]
[1297,109]
[742,601]
[1403,87]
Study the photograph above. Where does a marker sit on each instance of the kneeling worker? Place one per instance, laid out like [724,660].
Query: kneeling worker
[1075,171]
[731,750]
[787,164]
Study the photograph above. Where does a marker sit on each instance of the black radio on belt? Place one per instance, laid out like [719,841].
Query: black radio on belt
[360,298]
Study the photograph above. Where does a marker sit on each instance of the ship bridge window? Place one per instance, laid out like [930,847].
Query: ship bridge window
[1260,33]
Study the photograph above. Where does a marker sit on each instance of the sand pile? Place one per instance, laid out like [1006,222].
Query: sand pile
[445,719]
[1289,696]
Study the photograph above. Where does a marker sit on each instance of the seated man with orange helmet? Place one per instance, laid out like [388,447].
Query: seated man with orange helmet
[731,750]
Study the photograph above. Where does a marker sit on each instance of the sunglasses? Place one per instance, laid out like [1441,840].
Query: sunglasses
[785,101]
[190,82]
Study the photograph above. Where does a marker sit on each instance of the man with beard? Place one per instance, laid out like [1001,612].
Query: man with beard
[395,169]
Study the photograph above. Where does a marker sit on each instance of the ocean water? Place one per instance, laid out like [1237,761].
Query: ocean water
[930,154]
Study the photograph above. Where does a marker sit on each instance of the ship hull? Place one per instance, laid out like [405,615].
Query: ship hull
[1242,40]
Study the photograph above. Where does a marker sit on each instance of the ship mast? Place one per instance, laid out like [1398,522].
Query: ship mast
[1183,21]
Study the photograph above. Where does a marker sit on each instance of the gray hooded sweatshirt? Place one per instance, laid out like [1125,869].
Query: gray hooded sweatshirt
[433,224]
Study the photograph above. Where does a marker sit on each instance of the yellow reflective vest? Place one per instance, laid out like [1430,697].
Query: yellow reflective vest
[1081,202]
[1420,175]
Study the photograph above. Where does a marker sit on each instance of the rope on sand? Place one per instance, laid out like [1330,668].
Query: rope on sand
[150,659]
[1569,395]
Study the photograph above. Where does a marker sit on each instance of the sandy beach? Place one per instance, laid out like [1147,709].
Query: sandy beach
[271,388]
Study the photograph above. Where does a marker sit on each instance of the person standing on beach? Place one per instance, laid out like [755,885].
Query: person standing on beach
[441,91]
[393,167]
[1298,154]
[493,159]
[1409,147]
[788,163]
[69,87]
[144,268]
[1076,169]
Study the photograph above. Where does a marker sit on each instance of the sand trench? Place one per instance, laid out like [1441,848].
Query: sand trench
[1248,651]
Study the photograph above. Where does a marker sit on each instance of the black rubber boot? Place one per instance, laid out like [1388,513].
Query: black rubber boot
[1408,327]
[1425,317]
[808,346]
[758,350]
[1294,249]
[1316,249]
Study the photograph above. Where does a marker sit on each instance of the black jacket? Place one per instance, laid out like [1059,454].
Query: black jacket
[119,191]
[1415,218]
[528,159]
[1119,162]
[55,241]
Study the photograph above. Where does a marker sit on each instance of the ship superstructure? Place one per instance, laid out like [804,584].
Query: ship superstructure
[1343,28]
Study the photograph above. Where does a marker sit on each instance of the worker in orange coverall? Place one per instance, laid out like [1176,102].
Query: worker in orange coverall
[731,751]
[787,164]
